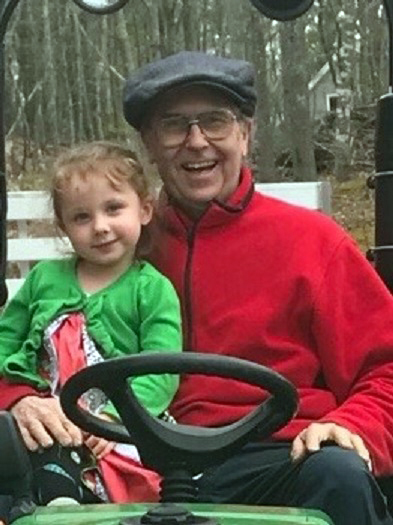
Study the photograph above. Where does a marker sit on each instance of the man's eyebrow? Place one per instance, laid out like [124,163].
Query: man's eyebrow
[167,114]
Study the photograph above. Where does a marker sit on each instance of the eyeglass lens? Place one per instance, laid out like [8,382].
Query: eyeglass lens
[215,125]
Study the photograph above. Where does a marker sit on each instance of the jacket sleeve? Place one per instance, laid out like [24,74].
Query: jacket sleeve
[353,327]
[11,393]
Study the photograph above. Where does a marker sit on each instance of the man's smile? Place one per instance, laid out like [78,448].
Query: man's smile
[201,166]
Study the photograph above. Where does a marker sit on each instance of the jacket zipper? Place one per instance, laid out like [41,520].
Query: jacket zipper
[187,285]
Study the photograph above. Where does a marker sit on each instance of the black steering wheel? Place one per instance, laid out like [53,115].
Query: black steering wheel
[163,445]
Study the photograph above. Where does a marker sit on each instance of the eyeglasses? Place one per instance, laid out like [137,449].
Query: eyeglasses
[216,124]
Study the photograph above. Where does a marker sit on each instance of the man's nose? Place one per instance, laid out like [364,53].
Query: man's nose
[196,139]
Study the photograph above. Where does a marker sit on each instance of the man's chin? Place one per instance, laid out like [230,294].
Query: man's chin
[199,202]
[202,196]
[192,206]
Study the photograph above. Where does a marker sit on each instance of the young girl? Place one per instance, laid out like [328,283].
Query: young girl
[102,302]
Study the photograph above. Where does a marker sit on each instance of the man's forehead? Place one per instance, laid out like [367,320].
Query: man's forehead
[188,99]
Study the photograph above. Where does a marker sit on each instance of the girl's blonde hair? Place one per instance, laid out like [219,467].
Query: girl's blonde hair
[117,163]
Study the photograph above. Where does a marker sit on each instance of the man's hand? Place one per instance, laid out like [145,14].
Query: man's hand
[310,439]
[42,422]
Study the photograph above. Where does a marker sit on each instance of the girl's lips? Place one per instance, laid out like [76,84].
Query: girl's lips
[104,244]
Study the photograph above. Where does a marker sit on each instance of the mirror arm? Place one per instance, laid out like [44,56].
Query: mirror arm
[5,14]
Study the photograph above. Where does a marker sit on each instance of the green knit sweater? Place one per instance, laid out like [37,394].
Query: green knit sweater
[139,312]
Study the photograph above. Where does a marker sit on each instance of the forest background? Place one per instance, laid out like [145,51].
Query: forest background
[65,72]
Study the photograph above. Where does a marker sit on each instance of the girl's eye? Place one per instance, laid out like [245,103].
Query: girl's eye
[114,207]
[81,218]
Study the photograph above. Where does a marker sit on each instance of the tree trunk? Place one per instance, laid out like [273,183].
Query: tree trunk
[51,105]
[296,101]
[264,150]
[191,30]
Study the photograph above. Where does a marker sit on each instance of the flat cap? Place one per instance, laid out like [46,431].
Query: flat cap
[235,78]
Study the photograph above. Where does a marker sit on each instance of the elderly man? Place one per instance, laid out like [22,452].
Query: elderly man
[270,282]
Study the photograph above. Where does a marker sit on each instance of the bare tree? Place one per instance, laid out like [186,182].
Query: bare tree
[191,24]
[264,150]
[51,77]
[295,97]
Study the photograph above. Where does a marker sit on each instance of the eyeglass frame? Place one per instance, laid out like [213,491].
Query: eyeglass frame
[194,120]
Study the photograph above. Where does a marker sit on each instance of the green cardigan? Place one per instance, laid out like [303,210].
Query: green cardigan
[139,312]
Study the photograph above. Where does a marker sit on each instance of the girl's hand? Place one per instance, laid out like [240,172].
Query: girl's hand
[100,447]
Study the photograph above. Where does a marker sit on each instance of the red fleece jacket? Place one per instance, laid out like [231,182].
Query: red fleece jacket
[286,287]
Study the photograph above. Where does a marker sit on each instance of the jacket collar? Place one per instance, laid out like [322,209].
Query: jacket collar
[216,213]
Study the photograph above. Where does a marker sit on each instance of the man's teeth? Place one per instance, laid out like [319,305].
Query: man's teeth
[199,165]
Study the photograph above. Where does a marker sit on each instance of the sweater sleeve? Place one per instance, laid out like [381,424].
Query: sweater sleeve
[353,327]
[15,323]
[160,331]
[14,328]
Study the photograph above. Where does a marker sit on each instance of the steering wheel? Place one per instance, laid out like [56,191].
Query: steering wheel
[163,445]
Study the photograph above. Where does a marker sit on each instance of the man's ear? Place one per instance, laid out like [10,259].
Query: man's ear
[247,130]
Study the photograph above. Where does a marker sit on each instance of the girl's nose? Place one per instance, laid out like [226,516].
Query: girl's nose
[100,224]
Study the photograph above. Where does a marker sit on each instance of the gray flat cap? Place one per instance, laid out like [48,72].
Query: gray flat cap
[233,77]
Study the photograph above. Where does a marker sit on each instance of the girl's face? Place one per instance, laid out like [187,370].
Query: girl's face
[103,223]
